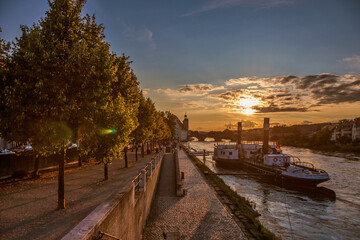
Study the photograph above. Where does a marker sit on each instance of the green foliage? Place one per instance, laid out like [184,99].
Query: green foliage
[127,83]
[105,147]
[49,137]
[147,121]
[321,137]
[62,71]
[162,130]
[60,83]
[5,85]
[169,119]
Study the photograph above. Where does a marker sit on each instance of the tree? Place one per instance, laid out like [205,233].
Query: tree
[146,117]
[170,121]
[61,70]
[128,86]
[111,133]
[5,86]
[321,138]
[162,130]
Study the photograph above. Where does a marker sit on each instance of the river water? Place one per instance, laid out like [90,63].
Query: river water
[295,215]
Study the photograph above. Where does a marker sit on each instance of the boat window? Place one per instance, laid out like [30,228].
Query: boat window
[230,153]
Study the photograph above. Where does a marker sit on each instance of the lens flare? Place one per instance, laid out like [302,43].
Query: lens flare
[107,131]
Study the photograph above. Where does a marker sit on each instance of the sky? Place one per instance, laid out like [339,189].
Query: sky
[222,61]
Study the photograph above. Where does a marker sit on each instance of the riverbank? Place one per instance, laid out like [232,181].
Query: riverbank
[331,148]
[237,205]
[198,214]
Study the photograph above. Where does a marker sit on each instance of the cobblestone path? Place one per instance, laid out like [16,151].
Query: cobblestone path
[28,208]
[196,216]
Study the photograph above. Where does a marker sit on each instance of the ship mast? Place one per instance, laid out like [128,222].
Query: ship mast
[265,147]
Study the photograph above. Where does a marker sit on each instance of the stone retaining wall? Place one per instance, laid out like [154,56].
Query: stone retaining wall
[124,214]
[178,180]
[11,163]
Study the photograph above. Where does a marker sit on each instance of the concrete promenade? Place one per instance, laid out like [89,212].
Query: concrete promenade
[197,215]
[28,209]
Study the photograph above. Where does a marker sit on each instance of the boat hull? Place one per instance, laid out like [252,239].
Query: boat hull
[269,173]
[228,163]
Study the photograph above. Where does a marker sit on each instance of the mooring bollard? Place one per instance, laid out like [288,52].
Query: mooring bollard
[204,158]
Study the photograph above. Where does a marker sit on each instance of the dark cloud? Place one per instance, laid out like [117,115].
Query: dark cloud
[313,90]
[229,95]
[347,92]
[284,95]
[272,109]
[201,88]
[276,94]
[314,81]
[287,79]
[185,89]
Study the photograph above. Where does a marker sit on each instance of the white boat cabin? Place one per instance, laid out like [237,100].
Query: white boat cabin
[277,160]
[246,151]
[226,152]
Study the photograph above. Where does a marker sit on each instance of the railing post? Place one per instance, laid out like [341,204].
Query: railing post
[133,193]
[144,179]
[151,169]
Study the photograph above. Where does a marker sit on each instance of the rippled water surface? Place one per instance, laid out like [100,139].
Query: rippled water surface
[295,215]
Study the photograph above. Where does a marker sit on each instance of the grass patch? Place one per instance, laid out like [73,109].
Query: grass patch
[252,224]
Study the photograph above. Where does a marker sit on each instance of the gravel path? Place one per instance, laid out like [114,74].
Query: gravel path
[28,209]
[197,215]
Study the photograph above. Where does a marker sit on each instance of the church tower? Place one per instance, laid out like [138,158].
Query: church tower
[186,123]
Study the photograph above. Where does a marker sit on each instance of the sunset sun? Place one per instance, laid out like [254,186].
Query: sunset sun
[246,103]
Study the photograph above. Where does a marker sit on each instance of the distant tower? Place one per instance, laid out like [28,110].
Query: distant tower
[186,123]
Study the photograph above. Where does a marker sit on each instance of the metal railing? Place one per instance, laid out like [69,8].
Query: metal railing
[304,165]
[136,182]
[139,182]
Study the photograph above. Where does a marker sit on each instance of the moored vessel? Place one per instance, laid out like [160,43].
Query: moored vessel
[269,161]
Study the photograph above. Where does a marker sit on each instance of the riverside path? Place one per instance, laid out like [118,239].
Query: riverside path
[197,215]
[28,208]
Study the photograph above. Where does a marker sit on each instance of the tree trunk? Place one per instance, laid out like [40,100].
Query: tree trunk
[61,187]
[106,177]
[36,167]
[147,148]
[79,159]
[136,151]
[125,155]
[142,150]
[78,144]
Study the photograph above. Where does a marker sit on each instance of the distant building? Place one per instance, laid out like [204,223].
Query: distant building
[345,128]
[7,145]
[181,129]
[356,129]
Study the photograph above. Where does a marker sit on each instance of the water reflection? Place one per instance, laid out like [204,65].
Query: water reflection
[295,215]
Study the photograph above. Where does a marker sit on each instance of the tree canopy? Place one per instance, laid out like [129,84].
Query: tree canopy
[60,83]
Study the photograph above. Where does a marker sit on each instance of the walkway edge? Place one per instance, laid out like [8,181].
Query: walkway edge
[241,211]
[124,213]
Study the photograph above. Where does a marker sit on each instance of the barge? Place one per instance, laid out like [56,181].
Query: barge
[269,161]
